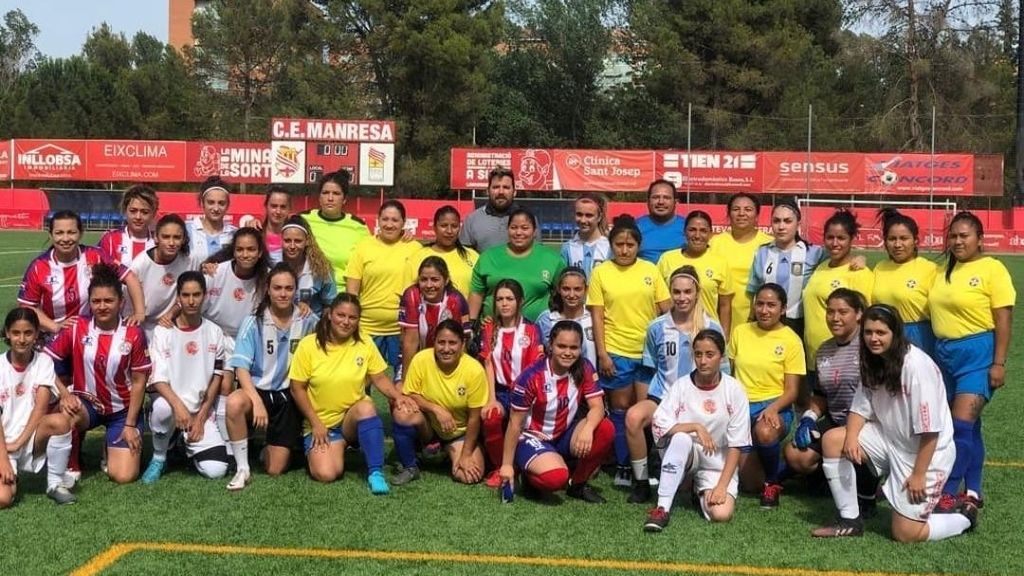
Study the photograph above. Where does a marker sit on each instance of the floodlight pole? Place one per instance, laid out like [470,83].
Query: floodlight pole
[1019,159]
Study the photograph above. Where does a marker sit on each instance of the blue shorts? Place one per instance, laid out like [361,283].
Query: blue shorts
[333,435]
[504,397]
[965,362]
[627,371]
[920,334]
[785,415]
[114,423]
[530,447]
[390,348]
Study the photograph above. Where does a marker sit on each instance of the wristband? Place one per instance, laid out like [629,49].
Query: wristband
[810,414]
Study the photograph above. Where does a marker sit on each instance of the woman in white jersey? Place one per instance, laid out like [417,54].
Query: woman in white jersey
[209,233]
[260,362]
[589,246]
[188,361]
[159,267]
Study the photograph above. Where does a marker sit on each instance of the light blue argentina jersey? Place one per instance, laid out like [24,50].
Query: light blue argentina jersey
[789,269]
[265,351]
[547,320]
[669,352]
[585,255]
[317,293]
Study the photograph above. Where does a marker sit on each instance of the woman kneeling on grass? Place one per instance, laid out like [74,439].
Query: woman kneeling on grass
[451,389]
[329,372]
[701,425]
[900,427]
[558,416]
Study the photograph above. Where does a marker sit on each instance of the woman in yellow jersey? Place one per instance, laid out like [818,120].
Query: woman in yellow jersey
[446,245]
[450,389]
[329,373]
[738,245]
[716,287]
[971,307]
[768,359]
[904,279]
[336,232]
[624,296]
[840,230]
[375,273]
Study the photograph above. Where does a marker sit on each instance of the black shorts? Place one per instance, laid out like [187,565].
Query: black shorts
[825,423]
[284,423]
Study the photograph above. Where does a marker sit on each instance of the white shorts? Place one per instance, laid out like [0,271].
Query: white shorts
[24,460]
[896,466]
[211,438]
[707,470]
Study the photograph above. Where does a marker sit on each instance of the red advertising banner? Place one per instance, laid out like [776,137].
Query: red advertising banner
[699,171]
[919,174]
[136,160]
[332,130]
[50,160]
[818,172]
[602,170]
[236,162]
[326,157]
[5,160]
[470,166]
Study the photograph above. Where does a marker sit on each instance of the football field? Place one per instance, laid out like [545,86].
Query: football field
[291,525]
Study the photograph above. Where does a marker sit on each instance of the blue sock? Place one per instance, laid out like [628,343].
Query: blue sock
[371,442]
[618,418]
[405,444]
[770,456]
[963,437]
[972,477]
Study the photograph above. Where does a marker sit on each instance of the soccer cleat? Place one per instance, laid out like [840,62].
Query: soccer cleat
[71,477]
[153,471]
[493,479]
[948,504]
[584,492]
[843,528]
[377,483]
[61,495]
[770,495]
[657,519]
[640,493]
[406,475]
[432,449]
[240,480]
[623,477]
[969,508]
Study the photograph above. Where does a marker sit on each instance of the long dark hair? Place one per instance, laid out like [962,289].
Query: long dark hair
[279,268]
[444,211]
[323,326]
[190,276]
[883,370]
[168,219]
[890,217]
[555,302]
[975,222]
[437,263]
[517,292]
[791,205]
[262,264]
[577,368]
[16,314]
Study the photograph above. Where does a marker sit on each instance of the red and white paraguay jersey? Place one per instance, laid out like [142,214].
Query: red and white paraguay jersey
[723,411]
[18,392]
[158,284]
[511,350]
[229,299]
[551,402]
[62,290]
[187,359]
[121,247]
[415,312]
[102,361]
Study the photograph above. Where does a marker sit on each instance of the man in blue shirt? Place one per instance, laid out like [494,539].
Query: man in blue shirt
[662,229]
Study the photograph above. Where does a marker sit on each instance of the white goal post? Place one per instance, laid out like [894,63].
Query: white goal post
[932,228]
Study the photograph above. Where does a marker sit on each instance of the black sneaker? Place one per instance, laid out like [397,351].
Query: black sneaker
[640,493]
[657,519]
[969,507]
[843,528]
[623,477]
[584,492]
[770,495]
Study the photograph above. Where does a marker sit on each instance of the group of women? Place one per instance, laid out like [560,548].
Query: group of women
[528,367]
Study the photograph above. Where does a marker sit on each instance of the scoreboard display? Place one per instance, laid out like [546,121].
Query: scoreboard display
[326,157]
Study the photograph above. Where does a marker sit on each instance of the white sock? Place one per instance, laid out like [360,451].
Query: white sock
[161,423]
[58,451]
[942,526]
[973,494]
[639,469]
[241,452]
[842,480]
[222,417]
[673,468]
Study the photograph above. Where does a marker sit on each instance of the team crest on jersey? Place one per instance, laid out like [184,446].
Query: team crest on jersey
[19,390]
[192,348]
[680,410]
[709,273]
[648,280]
[125,348]
[524,341]
[239,294]
[87,341]
[545,275]
[359,361]
[780,350]
[168,280]
[51,280]
[709,406]
[797,268]
[214,292]
[974,282]
[461,391]
[911,283]
[835,284]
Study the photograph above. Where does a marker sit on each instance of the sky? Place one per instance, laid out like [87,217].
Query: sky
[63,36]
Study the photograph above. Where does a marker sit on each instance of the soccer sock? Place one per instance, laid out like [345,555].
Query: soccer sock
[972,477]
[867,482]
[963,437]
[769,455]
[673,468]
[161,422]
[550,481]
[494,438]
[618,418]
[942,526]
[639,469]
[222,417]
[240,449]
[371,442]
[405,444]
[842,482]
[599,448]
[58,450]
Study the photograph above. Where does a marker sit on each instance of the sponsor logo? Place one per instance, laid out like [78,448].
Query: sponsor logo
[524,341]
[359,361]
[49,156]
[835,284]
[286,161]
[534,168]
[461,391]
[709,273]
[709,160]
[238,294]
[135,150]
[192,348]
[648,281]
[814,168]
[911,283]
[19,390]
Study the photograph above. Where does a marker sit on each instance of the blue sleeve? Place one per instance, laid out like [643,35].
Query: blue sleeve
[544,326]
[328,292]
[682,229]
[245,346]
[564,252]
[755,281]
[650,358]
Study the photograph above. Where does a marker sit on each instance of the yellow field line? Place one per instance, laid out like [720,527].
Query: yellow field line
[1004,463]
[116,552]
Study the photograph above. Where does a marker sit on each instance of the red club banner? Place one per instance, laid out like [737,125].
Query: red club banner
[699,171]
[5,160]
[531,168]
[136,161]
[603,170]
[236,162]
[818,172]
[919,174]
[50,160]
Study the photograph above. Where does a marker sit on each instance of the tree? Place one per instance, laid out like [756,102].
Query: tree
[17,47]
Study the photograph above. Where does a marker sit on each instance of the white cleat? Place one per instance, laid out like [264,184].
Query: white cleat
[239,481]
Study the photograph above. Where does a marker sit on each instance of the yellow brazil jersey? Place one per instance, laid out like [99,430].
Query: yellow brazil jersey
[762,358]
[712,271]
[963,306]
[464,388]
[335,378]
[629,296]
[905,286]
[740,258]
[816,292]
[380,268]
[459,268]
